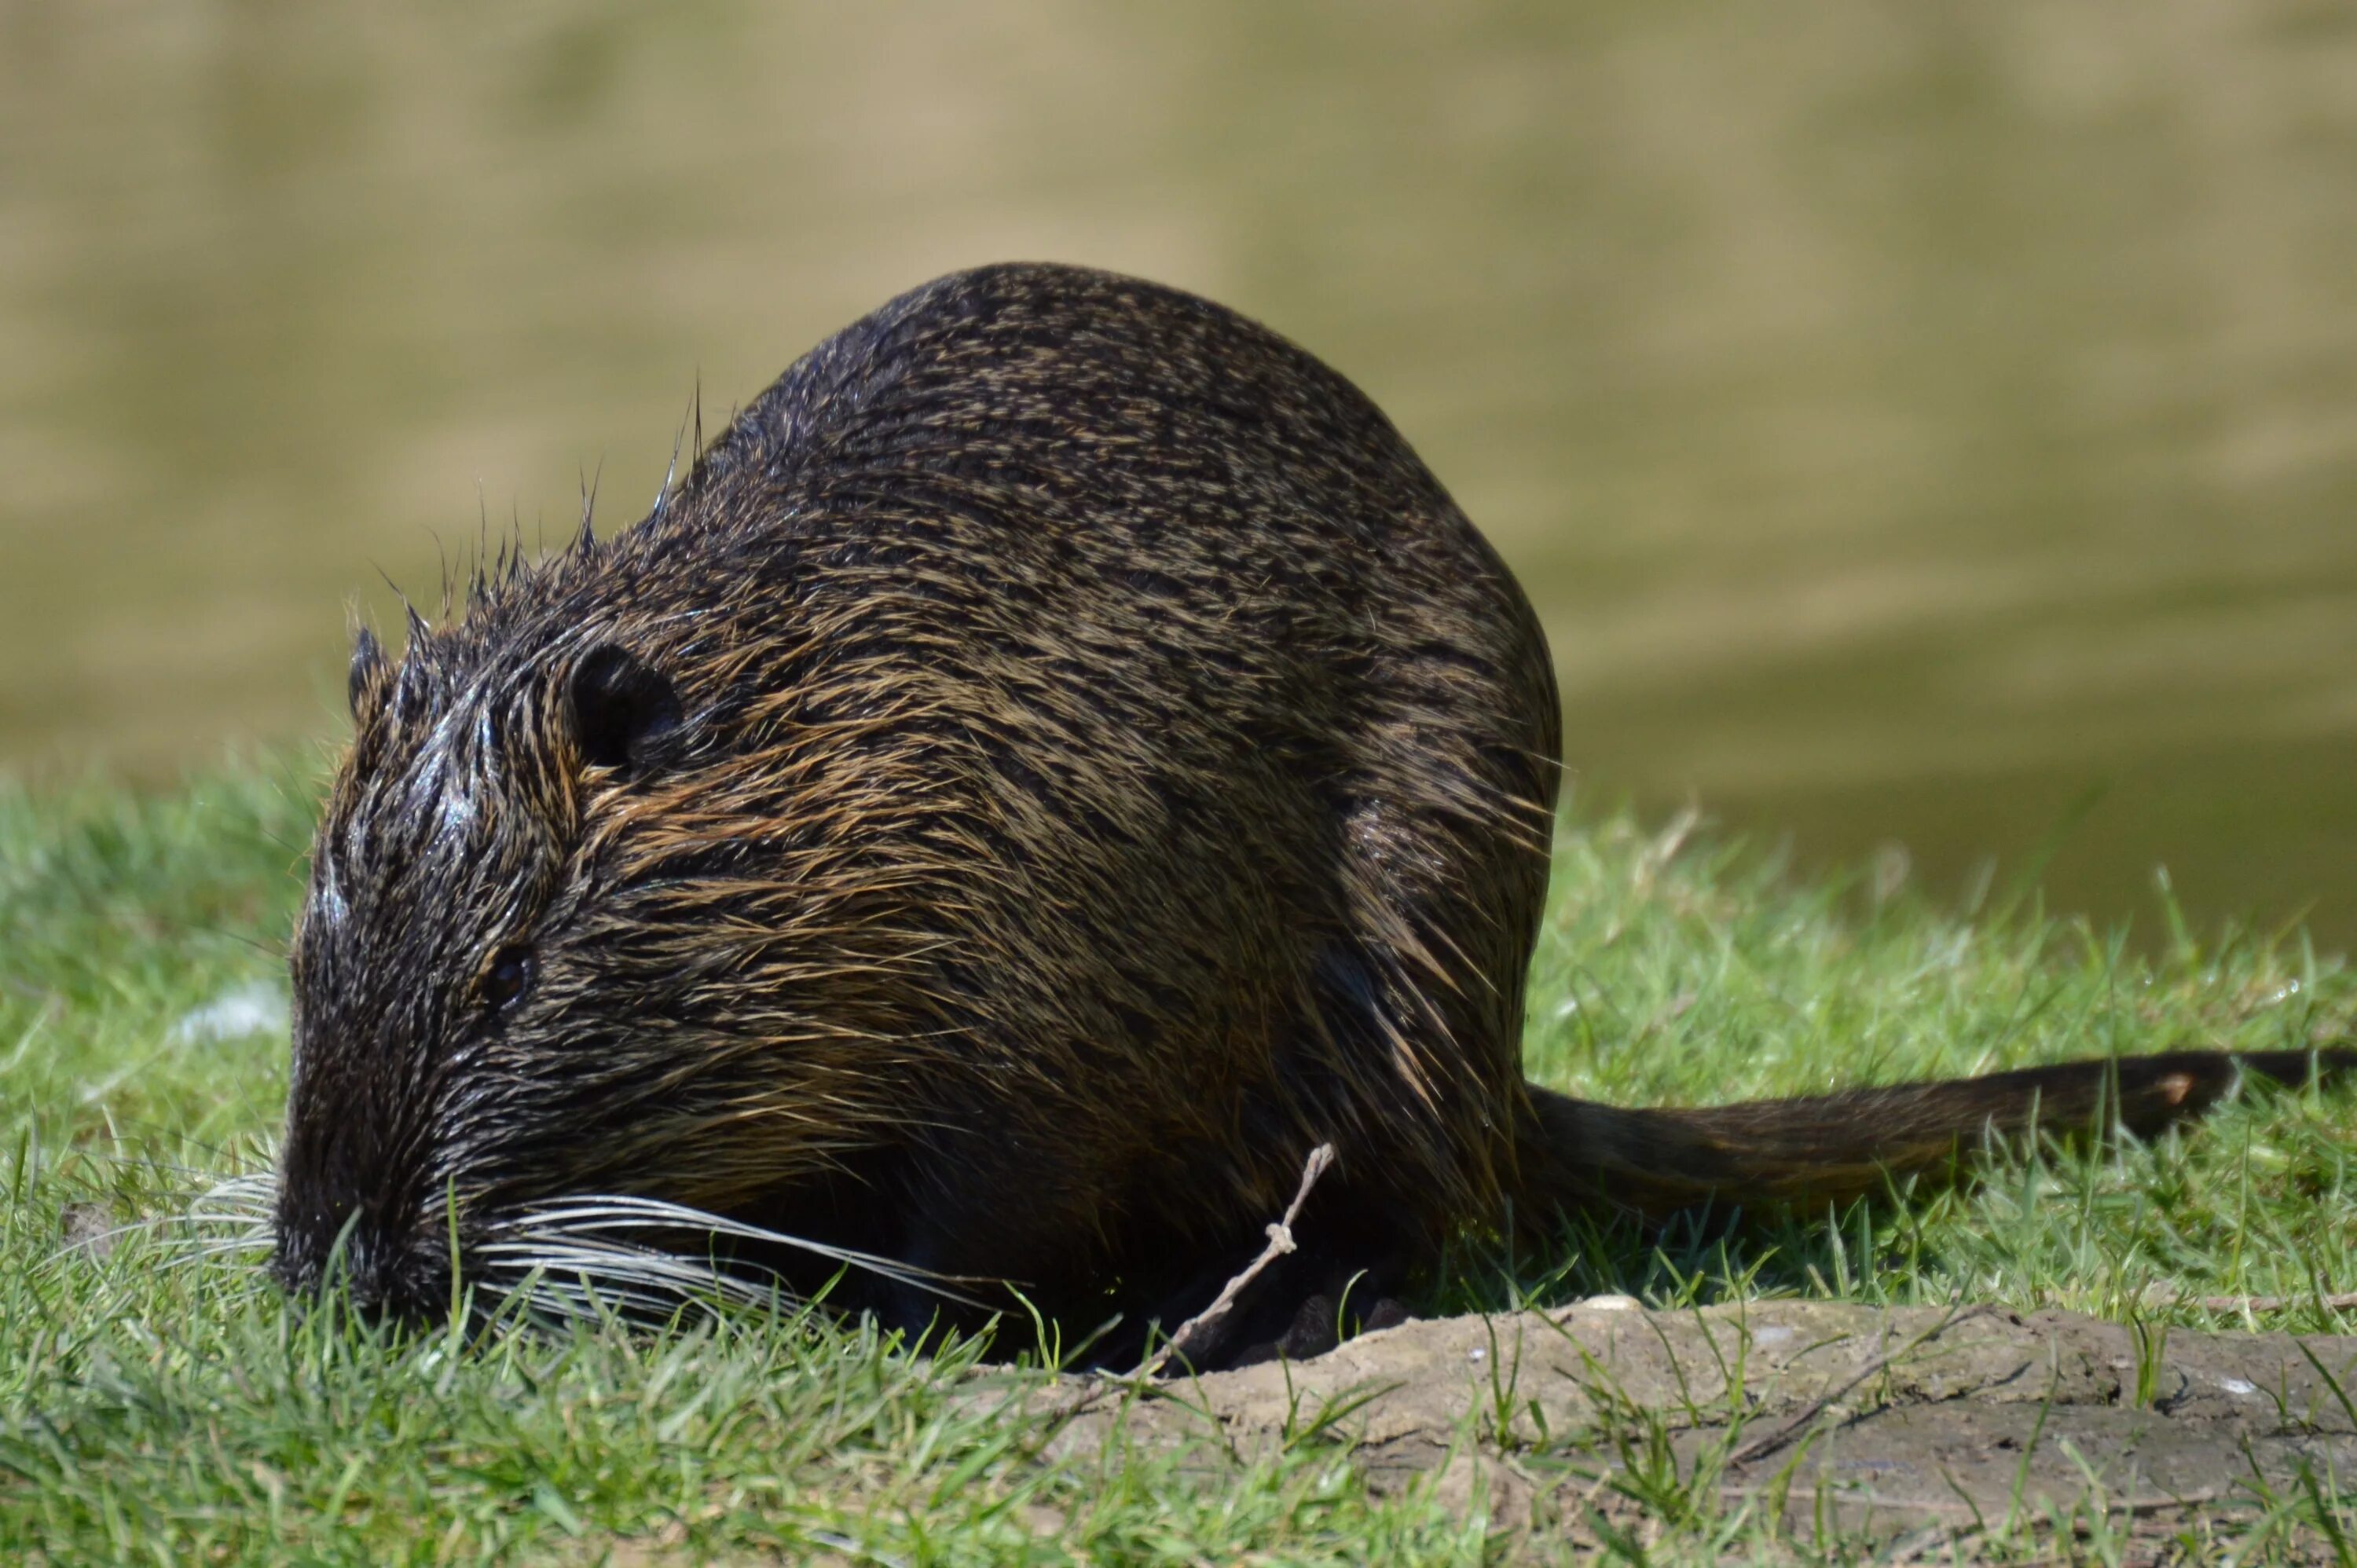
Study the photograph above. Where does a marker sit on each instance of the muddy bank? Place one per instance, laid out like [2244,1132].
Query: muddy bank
[1837,1415]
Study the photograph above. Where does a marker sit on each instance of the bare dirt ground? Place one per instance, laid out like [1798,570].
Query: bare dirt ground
[1922,1421]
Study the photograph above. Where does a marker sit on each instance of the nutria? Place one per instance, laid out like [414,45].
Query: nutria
[1055,759]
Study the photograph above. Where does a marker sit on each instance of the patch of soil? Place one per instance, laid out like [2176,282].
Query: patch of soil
[1836,1417]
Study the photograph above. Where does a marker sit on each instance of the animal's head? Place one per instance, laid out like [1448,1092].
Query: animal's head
[563,942]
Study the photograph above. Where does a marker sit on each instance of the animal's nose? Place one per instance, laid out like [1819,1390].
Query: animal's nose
[356,1264]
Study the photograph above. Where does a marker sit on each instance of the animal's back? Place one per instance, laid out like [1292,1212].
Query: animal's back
[1196,751]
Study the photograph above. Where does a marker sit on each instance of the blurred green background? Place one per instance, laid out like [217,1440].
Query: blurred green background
[1909,418]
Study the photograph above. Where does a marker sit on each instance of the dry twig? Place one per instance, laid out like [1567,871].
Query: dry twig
[1203,1329]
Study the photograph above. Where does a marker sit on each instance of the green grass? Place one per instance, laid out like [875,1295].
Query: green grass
[161,1410]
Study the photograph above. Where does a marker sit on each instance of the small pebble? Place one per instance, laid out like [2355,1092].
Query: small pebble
[89,1227]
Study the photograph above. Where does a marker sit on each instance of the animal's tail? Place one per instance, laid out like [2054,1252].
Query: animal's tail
[1833,1148]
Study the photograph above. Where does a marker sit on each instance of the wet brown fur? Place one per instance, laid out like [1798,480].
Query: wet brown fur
[1058,757]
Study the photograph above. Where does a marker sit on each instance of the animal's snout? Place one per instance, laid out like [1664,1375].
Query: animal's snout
[379,1273]
[350,1228]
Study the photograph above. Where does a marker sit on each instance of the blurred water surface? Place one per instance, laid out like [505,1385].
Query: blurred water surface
[1910,419]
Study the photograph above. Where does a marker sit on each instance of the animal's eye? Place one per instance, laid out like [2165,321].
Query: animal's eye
[510,973]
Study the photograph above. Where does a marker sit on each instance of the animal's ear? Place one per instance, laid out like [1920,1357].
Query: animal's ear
[364,683]
[621,707]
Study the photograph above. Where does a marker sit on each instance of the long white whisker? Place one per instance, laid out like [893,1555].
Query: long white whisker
[622,1212]
[228,1244]
[192,1256]
[260,1184]
[247,1218]
[570,1245]
[256,1233]
[559,1256]
[652,1270]
[581,1297]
